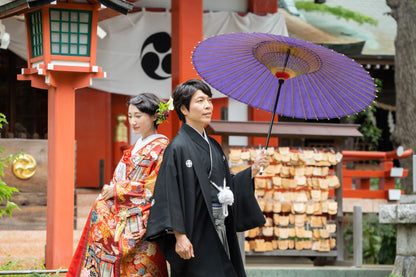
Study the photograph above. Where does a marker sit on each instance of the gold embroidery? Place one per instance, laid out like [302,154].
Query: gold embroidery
[120,193]
[105,232]
[123,213]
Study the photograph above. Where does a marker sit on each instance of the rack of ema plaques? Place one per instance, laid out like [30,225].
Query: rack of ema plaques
[297,196]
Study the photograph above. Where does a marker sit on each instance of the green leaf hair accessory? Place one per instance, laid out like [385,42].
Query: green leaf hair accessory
[163,110]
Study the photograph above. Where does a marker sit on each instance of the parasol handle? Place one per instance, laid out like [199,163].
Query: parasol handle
[281,81]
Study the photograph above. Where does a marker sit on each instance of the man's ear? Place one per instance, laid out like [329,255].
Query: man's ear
[184,110]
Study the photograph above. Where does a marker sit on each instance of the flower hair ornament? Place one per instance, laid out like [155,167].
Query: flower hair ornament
[163,111]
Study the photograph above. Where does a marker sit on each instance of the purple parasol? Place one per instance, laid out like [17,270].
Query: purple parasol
[284,75]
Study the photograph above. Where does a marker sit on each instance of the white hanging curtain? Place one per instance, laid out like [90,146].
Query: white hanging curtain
[135,53]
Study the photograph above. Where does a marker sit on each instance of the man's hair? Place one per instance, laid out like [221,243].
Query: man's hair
[183,93]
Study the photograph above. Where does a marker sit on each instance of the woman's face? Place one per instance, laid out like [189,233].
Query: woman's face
[140,122]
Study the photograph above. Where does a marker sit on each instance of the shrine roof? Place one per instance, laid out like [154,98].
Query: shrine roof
[10,8]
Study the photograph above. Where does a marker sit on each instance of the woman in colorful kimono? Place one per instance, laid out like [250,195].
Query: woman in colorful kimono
[111,243]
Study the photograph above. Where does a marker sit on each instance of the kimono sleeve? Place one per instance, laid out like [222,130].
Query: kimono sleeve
[166,213]
[246,210]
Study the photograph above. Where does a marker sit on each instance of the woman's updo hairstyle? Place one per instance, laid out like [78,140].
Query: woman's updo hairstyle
[146,103]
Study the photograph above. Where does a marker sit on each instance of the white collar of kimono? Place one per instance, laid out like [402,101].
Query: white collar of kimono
[142,142]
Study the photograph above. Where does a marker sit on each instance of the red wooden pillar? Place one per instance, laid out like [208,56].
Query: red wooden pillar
[260,115]
[61,87]
[388,182]
[93,135]
[187,32]
[263,6]
[346,181]
[61,147]
[61,163]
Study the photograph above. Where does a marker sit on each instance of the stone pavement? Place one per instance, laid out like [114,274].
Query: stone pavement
[317,271]
[28,249]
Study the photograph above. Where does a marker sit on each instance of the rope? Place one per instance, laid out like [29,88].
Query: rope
[225,196]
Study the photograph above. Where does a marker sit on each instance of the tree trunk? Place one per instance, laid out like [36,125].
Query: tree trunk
[404,12]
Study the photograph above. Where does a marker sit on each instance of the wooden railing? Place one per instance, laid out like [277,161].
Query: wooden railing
[356,182]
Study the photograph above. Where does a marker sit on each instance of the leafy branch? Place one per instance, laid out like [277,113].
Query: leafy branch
[6,191]
[371,133]
[338,11]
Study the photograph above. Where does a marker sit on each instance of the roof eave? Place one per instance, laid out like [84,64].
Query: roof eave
[20,6]
[120,6]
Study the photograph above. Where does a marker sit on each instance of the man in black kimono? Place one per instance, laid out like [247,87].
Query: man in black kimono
[198,205]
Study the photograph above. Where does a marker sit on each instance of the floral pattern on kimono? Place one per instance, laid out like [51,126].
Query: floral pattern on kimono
[111,243]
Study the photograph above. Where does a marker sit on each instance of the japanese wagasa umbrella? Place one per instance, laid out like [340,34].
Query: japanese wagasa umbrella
[284,75]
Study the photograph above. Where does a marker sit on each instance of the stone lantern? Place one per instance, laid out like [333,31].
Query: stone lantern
[403,215]
[61,48]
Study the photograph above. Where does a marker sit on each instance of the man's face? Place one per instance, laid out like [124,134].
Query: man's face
[200,110]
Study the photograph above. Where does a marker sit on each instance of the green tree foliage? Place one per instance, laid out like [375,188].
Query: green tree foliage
[338,11]
[379,240]
[6,192]
[371,133]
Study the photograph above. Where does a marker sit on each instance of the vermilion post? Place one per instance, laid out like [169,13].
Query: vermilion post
[187,32]
[61,164]
[263,6]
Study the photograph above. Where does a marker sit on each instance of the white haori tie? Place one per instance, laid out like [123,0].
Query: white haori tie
[225,196]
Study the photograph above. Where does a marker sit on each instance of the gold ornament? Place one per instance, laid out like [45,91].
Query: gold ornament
[24,166]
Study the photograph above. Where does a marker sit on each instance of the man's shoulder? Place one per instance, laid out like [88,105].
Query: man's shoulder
[180,138]
[178,142]
[215,143]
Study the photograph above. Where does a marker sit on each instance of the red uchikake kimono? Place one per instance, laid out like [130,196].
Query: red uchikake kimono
[111,243]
